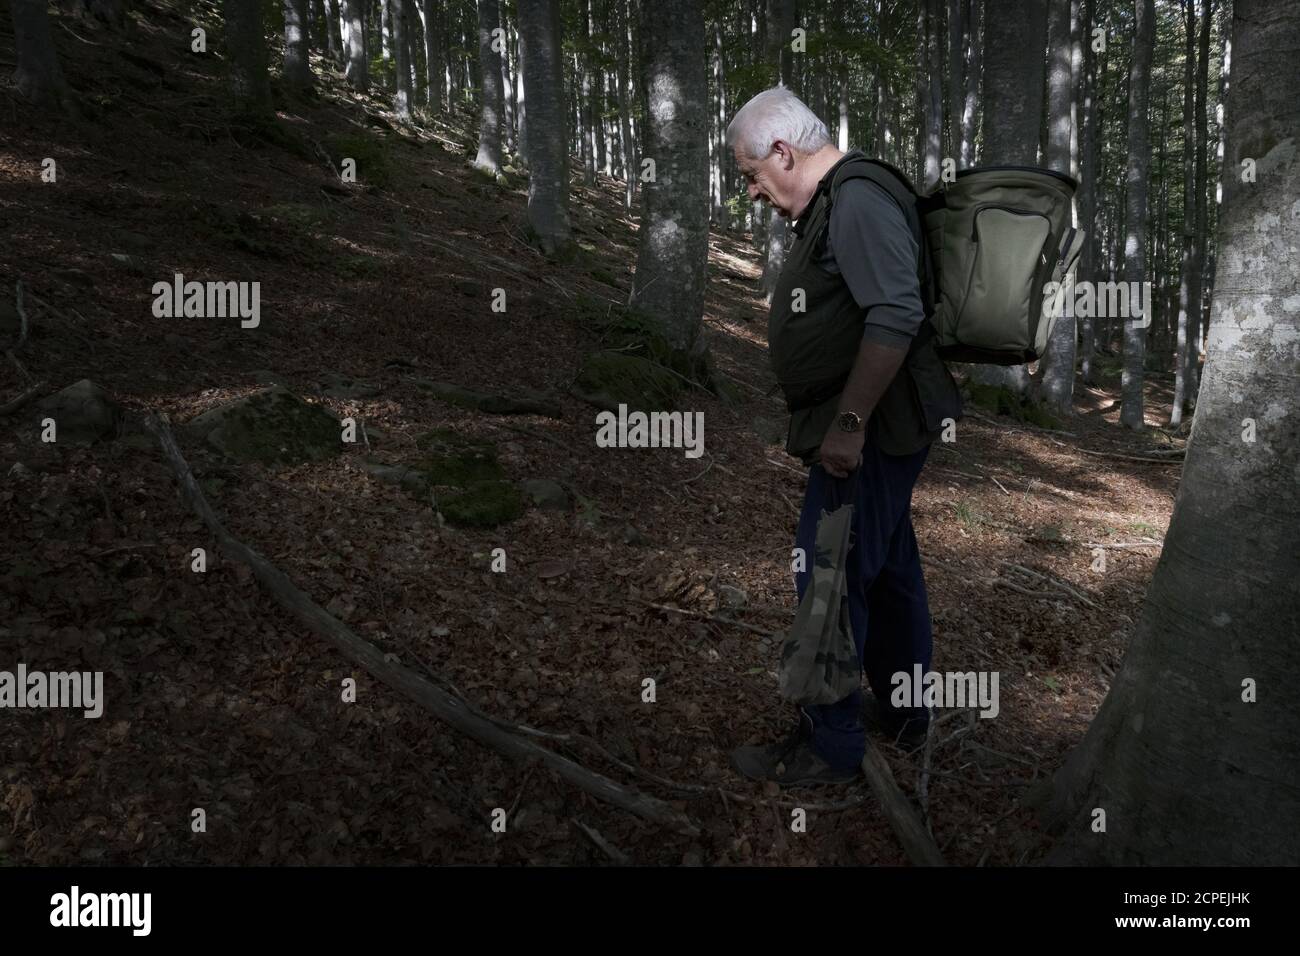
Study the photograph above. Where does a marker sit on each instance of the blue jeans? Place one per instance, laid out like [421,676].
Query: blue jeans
[888,609]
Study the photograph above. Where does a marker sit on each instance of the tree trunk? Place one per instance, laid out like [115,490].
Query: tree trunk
[509,104]
[625,105]
[38,77]
[1057,366]
[433,65]
[1135,264]
[933,93]
[489,123]
[333,37]
[297,68]
[401,51]
[674,237]
[386,30]
[780,22]
[1201,239]
[1090,175]
[358,67]
[548,157]
[1188,768]
[248,77]
[1014,36]
[1189,210]
[974,76]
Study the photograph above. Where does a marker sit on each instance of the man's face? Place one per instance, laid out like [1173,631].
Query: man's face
[772,178]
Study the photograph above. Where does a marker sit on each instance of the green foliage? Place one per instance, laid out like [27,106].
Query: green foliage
[484,504]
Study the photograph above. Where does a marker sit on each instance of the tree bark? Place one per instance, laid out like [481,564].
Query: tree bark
[401,52]
[974,76]
[1201,239]
[297,68]
[248,77]
[1057,366]
[548,157]
[674,238]
[358,66]
[333,39]
[1135,258]
[489,119]
[38,77]
[1188,772]
[1090,174]
[434,93]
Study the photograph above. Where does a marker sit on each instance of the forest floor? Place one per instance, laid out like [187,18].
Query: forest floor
[217,698]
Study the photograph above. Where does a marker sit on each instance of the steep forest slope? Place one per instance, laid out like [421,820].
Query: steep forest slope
[376,299]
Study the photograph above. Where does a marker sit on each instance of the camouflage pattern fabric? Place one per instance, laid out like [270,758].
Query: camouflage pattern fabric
[819,662]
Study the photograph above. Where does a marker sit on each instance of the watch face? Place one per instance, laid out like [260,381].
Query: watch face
[850,421]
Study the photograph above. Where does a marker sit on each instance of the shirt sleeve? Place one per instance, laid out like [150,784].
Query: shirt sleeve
[870,244]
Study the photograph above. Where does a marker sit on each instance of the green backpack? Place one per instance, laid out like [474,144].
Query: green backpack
[993,240]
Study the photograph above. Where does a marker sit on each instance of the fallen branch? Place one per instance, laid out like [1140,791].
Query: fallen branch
[447,707]
[715,618]
[911,832]
[16,403]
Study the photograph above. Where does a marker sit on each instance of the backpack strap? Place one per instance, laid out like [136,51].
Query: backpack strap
[900,189]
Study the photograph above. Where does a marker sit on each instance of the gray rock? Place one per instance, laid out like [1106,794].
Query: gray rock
[82,413]
[732,598]
[546,494]
[634,537]
[411,480]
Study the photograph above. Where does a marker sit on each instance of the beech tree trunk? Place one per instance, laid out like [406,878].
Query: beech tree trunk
[358,67]
[297,68]
[548,156]
[1192,756]
[489,118]
[1135,258]
[402,94]
[247,44]
[674,236]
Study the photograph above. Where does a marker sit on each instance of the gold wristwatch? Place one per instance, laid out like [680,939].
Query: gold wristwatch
[850,422]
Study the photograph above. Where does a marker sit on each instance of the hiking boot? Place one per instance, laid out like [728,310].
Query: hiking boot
[790,763]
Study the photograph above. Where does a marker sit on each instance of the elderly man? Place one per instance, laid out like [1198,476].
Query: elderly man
[851,344]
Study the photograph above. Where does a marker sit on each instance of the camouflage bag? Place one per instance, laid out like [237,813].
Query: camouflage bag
[819,662]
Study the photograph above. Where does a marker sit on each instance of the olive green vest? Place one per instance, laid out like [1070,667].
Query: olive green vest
[812,351]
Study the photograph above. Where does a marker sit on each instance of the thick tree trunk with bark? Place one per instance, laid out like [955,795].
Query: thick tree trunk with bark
[1135,258]
[674,236]
[358,67]
[297,68]
[434,96]
[780,22]
[247,44]
[402,94]
[548,157]
[38,76]
[1192,757]
[1057,366]
[1201,241]
[1090,174]
[489,118]
[334,38]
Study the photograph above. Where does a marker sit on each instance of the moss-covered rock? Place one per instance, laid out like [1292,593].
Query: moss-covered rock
[83,413]
[482,504]
[271,426]
[524,403]
[608,379]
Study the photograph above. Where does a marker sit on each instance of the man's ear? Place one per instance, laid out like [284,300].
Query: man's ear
[785,154]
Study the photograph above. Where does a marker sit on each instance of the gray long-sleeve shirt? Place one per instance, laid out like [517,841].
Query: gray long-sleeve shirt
[870,244]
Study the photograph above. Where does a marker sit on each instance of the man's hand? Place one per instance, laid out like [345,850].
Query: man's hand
[841,451]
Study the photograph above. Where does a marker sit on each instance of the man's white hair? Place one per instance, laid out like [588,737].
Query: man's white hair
[776,114]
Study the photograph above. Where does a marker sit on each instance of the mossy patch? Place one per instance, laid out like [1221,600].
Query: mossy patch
[470,487]
[1003,401]
[374,166]
[608,379]
[483,504]
[271,426]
